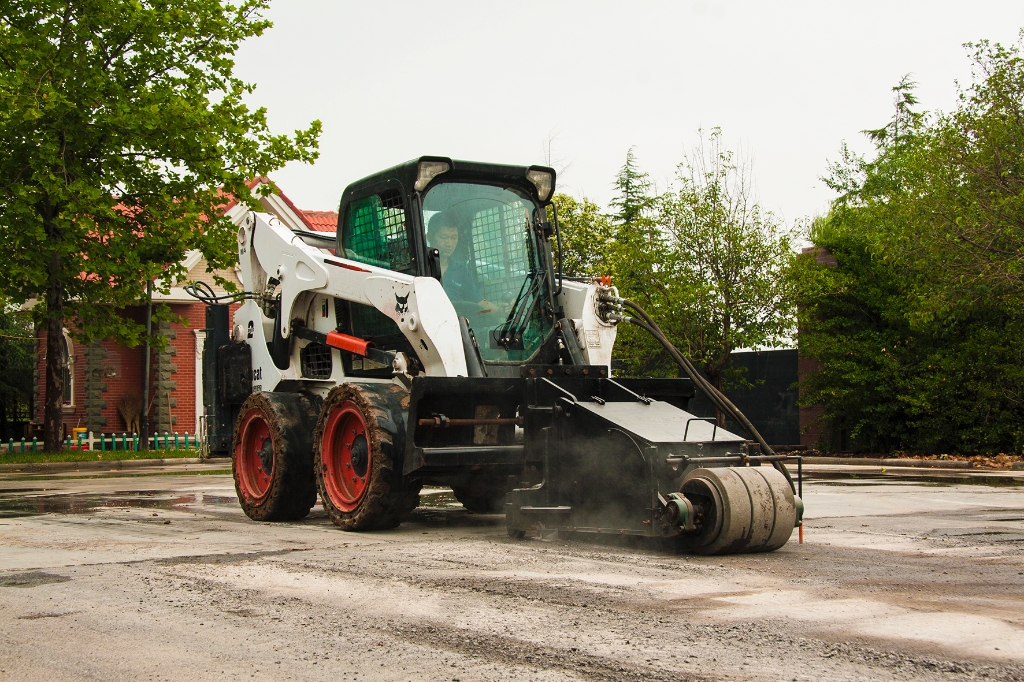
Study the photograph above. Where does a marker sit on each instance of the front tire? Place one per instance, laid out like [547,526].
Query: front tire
[358,458]
[272,456]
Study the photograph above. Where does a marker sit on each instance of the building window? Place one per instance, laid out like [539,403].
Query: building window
[67,365]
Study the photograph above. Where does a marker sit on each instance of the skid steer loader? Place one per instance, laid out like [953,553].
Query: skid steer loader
[433,340]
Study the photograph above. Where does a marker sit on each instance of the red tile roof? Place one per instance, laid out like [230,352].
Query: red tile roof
[318,221]
[321,221]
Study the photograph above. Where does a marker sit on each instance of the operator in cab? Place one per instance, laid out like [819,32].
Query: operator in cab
[443,234]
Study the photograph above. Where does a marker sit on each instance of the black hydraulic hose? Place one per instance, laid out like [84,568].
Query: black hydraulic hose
[205,293]
[703,384]
[717,397]
[714,395]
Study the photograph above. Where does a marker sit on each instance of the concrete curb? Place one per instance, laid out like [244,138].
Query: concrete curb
[907,463]
[113,465]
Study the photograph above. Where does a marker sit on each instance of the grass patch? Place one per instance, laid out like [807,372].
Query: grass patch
[91,456]
[127,473]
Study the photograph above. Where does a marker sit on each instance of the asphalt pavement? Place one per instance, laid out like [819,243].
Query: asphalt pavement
[127,576]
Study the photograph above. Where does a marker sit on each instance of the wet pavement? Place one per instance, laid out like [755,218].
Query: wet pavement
[163,577]
[61,498]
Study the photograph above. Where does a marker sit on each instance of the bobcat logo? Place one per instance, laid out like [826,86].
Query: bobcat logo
[401,304]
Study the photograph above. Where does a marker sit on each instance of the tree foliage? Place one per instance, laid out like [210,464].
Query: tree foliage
[727,258]
[121,128]
[634,202]
[586,236]
[917,325]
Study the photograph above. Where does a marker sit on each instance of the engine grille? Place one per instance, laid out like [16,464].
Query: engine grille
[315,361]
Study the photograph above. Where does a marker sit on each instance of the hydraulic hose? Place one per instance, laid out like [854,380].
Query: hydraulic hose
[717,398]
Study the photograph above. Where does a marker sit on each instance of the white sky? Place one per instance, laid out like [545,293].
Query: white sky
[787,82]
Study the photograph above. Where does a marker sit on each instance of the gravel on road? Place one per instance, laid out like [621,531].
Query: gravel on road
[163,577]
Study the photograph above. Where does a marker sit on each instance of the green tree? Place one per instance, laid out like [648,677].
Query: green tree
[704,259]
[726,259]
[121,126]
[917,325]
[973,164]
[586,237]
[637,248]
[633,202]
[635,261]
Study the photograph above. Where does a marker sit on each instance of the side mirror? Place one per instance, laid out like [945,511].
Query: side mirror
[434,264]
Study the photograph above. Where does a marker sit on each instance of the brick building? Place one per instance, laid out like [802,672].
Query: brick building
[97,375]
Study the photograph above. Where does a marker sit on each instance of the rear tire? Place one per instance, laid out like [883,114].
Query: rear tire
[272,461]
[482,492]
[358,459]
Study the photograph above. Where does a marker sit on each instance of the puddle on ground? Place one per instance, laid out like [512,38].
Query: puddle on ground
[21,503]
[37,501]
[30,579]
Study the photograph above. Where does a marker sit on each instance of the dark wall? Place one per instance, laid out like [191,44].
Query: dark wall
[770,403]
[12,429]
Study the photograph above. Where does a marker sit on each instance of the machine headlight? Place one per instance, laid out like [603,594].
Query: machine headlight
[428,170]
[544,181]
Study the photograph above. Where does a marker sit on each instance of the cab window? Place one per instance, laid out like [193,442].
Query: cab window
[375,232]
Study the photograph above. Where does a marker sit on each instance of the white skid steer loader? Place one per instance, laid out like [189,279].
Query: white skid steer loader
[433,340]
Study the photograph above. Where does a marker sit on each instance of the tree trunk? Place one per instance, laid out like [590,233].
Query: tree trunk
[53,417]
[53,402]
[144,418]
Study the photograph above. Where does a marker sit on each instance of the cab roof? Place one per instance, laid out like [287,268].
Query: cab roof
[405,174]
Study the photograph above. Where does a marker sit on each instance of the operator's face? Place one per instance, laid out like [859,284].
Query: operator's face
[446,239]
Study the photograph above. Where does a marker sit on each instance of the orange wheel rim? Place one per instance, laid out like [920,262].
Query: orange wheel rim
[346,457]
[254,456]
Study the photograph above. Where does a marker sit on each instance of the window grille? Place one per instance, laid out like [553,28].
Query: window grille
[368,322]
[500,248]
[375,232]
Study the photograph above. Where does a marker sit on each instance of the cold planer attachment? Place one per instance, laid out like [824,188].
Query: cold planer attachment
[616,462]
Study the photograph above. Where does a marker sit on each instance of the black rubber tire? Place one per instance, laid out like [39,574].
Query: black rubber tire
[491,502]
[388,497]
[290,492]
[482,492]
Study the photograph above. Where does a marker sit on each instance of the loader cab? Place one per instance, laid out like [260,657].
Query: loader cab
[481,230]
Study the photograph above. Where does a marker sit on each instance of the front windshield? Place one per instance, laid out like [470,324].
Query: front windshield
[489,261]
